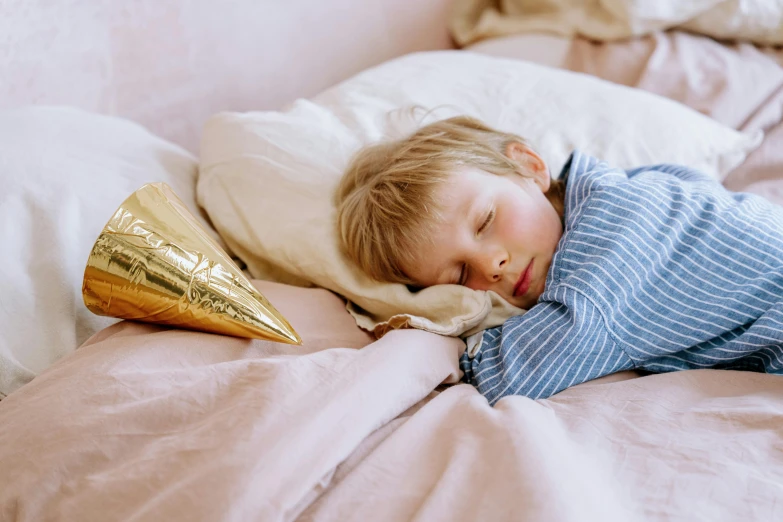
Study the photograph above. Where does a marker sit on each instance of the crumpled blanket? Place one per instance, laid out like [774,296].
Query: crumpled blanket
[758,21]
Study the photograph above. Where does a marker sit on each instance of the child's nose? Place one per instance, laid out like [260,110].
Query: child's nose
[494,266]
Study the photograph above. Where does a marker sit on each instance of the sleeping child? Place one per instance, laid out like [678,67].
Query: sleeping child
[657,268]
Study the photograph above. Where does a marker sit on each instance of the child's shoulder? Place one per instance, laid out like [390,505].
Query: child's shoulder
[582,169]
[589,180]
[584,172]
[584,177]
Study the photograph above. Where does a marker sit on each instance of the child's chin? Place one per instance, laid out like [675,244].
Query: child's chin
[519,302]
[527,301]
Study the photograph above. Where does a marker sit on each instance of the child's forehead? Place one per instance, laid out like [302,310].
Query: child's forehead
[456,196]
[462,175]
[465,183]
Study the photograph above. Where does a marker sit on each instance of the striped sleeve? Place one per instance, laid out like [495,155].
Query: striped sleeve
[686,274]
[553,346]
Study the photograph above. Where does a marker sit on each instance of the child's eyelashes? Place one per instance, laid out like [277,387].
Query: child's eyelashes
[463,274]
[487,221]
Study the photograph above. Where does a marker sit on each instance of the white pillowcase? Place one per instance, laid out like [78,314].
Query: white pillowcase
[267,178]
[63,173]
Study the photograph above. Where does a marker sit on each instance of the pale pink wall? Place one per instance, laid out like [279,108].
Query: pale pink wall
[169,64]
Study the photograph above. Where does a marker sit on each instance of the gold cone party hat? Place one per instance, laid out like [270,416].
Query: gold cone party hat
[154,262]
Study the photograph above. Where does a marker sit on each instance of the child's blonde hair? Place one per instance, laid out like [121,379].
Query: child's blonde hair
[386,205]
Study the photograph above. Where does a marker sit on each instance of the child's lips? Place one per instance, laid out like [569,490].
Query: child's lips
[523,284]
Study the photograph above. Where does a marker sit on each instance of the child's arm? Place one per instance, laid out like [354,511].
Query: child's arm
[550,348]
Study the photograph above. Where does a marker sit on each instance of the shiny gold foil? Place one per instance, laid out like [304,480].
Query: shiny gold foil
[154,262]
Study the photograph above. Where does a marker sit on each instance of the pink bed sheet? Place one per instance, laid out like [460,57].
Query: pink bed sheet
[147,423]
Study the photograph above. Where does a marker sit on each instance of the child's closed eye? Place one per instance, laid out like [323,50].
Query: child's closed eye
[463,275]
[487,221]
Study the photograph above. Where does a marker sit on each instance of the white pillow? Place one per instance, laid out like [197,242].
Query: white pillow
[63,173]
[267,178]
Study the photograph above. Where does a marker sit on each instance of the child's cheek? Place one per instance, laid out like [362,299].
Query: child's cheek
[515,226]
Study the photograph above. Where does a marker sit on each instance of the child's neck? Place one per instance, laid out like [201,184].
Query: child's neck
[556,196]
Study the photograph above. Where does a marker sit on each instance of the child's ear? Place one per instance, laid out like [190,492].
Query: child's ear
[531,165]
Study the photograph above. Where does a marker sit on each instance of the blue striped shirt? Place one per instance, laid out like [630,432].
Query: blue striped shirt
[659,269]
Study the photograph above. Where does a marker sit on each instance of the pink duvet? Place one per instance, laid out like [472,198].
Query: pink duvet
[147,423]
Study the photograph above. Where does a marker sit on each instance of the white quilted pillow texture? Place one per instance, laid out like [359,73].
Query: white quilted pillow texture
[267,178]
[63,173]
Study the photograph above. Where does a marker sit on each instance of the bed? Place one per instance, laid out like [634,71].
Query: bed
[367,420]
